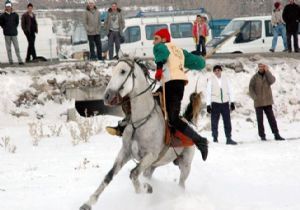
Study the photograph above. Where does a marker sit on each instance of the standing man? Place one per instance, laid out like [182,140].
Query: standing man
[291,16]
[9,21]
[261,93]
[200,32]
[220,101]
[278,27]
[92,24]
[114,25]
[30,28]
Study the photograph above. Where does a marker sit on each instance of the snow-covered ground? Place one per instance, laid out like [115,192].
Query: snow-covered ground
[51,167]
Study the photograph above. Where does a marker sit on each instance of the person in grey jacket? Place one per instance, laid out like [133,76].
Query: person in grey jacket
[114,25]
[92,24]
[261,93]
[9,21]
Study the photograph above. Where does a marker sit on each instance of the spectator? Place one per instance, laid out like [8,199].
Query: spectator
[114,25]
[278,27]
[200,32]
[92,24]
[30,28]
[291,16]
[9,21]
[219,101]
[261,93]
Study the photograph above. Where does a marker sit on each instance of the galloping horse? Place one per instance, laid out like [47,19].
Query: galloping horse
[143,138]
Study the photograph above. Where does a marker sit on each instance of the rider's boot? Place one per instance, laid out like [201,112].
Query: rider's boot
[115,131]
[119,129]
[200,142]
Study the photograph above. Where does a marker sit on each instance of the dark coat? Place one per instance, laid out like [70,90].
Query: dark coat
[291,16]
[260,89]
[9,23]
[26,23]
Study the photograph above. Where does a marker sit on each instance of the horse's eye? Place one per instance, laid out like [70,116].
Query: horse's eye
[123,71]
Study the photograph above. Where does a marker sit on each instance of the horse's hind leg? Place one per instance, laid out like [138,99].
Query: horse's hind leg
[134,175]
[185,165]
[122,158]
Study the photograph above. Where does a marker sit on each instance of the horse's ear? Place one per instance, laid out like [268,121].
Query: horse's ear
[130,55]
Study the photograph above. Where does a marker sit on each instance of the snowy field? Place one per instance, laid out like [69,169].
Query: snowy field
[45,164]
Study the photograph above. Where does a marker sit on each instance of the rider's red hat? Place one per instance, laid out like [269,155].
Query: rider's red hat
[164,33]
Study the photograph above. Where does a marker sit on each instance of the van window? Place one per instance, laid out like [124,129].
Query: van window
[249,32]
[181,30]
[269,28]
[151,29]
[233,26]
[132,34]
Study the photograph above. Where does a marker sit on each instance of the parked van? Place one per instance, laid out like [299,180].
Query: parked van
[139,33]
[45,43]
[247,35]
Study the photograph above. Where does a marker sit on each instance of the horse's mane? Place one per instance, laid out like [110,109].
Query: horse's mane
[141,63]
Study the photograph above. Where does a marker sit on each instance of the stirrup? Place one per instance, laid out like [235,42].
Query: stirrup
[113,131]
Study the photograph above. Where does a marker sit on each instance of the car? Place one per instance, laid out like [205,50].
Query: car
[246,35]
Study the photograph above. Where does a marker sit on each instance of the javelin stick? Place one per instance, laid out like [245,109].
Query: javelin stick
[164,97]
[220,45]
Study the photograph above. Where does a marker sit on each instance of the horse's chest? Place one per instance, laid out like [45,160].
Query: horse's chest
[139,149]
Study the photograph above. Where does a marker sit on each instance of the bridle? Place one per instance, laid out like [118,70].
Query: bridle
[131,72]
[137,124]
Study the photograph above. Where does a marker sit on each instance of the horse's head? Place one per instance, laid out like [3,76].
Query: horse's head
[121,83]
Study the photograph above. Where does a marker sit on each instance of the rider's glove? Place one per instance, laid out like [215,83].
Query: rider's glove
[158,74]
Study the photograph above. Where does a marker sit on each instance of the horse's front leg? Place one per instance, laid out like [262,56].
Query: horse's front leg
[134,175]
[185,165]
[123,157]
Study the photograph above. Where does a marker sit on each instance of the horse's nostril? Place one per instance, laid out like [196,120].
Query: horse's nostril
[106,96]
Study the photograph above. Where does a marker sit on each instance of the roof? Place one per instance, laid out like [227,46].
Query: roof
[163,19]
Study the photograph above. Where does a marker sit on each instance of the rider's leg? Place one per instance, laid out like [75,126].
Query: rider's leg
[118,130]
[174,94]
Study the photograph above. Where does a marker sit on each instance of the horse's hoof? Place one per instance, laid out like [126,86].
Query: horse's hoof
[148,188]
[85,207]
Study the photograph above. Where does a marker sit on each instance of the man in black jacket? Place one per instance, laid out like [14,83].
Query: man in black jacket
[9,21]
[291,16]
[30,28]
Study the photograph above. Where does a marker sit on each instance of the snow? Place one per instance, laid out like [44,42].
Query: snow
[56,174]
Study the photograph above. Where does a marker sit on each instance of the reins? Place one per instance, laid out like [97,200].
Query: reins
[142,121]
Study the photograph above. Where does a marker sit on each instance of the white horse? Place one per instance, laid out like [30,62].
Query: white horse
[143,138]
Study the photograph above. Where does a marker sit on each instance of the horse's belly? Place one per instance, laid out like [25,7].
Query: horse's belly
[168,157]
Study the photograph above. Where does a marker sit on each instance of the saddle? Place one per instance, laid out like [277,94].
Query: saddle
[173,138]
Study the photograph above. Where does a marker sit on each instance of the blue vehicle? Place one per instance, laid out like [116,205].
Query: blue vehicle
[217,26]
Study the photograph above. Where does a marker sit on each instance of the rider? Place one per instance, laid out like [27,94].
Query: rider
[170,61]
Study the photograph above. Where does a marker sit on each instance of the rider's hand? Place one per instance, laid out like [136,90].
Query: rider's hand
[208,108]
[158,74]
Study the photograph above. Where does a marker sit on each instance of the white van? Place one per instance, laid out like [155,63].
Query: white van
[139,33]
[254,35]
[45,43]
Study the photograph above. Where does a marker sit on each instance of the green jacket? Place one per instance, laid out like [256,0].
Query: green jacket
[191,61]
